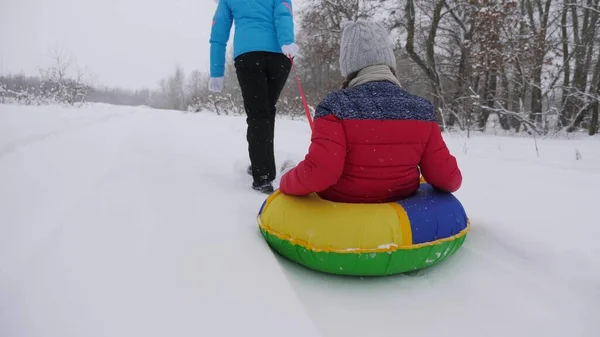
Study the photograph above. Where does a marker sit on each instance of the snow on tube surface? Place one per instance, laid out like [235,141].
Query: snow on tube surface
[365,239]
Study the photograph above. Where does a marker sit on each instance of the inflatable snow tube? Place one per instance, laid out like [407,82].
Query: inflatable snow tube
[365,239]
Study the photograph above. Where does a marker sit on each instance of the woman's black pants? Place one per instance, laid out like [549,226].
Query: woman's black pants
[262,77]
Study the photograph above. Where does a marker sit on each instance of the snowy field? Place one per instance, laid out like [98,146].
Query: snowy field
[131,222]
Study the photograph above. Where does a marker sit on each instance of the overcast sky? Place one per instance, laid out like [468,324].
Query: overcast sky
[126,43]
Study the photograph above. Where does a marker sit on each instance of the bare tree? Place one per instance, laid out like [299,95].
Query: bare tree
[195,90]
[58,85]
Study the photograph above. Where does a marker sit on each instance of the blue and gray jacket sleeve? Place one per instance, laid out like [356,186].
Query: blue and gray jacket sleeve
[219,36]
[284,21]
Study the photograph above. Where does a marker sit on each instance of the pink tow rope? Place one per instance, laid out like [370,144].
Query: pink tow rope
[304,102]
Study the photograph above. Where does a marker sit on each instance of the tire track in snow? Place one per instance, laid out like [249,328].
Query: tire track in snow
[536,269]
[23,143]
[50,236]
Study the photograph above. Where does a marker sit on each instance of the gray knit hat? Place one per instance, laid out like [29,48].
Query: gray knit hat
[364,43]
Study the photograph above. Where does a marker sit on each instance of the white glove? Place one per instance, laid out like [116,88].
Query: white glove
[290,50]
[215,84]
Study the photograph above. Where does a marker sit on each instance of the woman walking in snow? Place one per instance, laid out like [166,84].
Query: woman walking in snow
[263,43]
[372,139]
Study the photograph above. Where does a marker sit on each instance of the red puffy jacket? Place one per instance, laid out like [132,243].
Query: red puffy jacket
[368,144]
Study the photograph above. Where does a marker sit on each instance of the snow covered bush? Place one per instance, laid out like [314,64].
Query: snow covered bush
[54,86]
[58,86]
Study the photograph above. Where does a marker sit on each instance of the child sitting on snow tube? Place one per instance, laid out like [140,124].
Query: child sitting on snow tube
[372,140]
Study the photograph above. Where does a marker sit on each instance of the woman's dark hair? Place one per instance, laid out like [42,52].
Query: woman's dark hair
[353,75]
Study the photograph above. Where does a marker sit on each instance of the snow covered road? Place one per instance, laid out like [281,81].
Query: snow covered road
[121,221]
